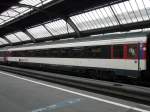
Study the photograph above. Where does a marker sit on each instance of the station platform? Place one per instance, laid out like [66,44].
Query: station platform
[24,94]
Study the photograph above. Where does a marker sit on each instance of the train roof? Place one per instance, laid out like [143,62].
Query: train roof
[121,36]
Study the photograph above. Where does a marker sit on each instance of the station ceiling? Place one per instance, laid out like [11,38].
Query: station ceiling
[6,4]
[24,21]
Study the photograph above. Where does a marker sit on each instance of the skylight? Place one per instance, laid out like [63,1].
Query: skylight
[13,13]
[39,32]
[22,36]
[59,27]
[12,38]
[132,11]
[3,41]
[30,2]
[35,3]
[19,10]
[126,12]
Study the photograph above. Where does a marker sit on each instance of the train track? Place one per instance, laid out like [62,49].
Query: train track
[124,91]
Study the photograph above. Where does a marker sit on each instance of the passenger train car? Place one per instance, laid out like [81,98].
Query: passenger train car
[128,56]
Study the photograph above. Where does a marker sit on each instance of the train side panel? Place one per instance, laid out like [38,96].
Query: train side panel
[124,58]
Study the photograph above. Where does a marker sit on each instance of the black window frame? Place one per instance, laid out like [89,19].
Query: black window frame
[118,51]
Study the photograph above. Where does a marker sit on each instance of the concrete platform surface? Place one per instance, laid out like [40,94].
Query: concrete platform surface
[23,94]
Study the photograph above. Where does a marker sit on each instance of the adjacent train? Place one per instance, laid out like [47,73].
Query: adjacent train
[128,56]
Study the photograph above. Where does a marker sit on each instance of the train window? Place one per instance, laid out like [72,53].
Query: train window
[66,53]
[72,52]
[20,53]
[45,53]
[38,53]
[99,52]
[30,53]
[24,53]
[14,54]
[105,52]
[54,52]
[95,52]
[118,51]
[132,51]
[1,54]
[62,52]
[77,52]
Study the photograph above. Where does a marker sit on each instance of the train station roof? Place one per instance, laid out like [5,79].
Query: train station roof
[32,21]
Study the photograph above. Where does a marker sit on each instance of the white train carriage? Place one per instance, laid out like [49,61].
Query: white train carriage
[126,56]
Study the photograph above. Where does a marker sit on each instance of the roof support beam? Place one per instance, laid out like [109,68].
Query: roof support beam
[18,38]
[9,42]
[15,10]
[71,23]
[27,33]
[47,29]
[115,15]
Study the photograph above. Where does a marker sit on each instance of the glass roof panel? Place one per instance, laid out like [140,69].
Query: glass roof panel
[10,13]
[142,9]
[12,38]
[3,17]
[59,27]
[16,11]
[121,13]
[19,9]
[146,3]
[3,41]
[132,11]
[94,19]
[110,16]
[135,9]
[128,10]
[30,2]
[22,36]
[39,32]
[36,3]
[46,1]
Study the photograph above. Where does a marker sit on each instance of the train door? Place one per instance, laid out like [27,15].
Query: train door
[133,56]
[148,53]
[6,55]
